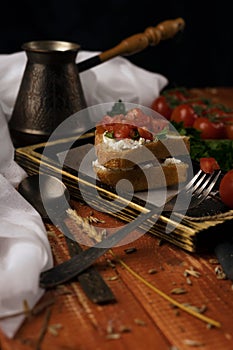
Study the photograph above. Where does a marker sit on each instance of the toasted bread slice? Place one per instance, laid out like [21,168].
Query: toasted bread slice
[115,154]
[149,177]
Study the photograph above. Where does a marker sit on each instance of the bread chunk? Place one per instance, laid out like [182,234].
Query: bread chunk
[143,178]
[113,157]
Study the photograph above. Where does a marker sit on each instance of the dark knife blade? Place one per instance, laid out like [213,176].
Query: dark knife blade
[90,280]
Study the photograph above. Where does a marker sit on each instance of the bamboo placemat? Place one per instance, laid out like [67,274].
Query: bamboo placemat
[191,233]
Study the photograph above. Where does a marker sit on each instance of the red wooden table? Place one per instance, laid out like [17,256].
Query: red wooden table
[142,316]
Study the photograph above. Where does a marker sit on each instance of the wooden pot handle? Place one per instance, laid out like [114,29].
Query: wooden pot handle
[136,43]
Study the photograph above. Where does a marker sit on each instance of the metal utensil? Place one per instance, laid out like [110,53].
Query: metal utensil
[198,187]
[54,192]
[67,270]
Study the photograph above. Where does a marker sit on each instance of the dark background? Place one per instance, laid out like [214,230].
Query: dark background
[200,56]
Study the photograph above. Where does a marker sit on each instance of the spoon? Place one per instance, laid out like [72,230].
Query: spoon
[56,199]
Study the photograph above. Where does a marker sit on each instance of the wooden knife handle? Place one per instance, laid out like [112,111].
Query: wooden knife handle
[138,42]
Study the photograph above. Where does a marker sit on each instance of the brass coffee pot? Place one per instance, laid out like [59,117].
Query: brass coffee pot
[51,90]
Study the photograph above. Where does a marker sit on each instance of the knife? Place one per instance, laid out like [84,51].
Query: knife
[30,188]
[79,263]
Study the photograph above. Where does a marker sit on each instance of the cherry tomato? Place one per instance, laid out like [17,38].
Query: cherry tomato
[220,130]
[208,129]
[226,189]
[184,113]
[229,130]
[161,105]
[209,164]
[169,99]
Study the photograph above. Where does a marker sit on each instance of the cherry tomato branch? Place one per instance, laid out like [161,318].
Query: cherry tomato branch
[214,121]
[209,125]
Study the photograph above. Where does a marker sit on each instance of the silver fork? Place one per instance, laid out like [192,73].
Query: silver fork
[194,193]
[200,186]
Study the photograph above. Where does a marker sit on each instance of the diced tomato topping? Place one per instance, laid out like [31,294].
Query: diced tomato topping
[145,134]
[157,125]
[122,131]
[138,118]
[134,124]
[209,164]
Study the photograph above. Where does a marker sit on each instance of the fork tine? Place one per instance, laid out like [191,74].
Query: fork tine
[199,191]
[208,184]
[191,182]
[199,184]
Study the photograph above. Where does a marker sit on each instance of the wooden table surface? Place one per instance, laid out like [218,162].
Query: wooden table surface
[142,316]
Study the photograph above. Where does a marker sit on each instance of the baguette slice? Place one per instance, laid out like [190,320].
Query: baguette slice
[143,178]
[111,156]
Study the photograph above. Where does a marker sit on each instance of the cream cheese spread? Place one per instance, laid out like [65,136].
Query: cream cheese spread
[123,144]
